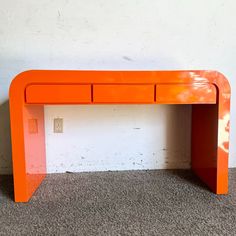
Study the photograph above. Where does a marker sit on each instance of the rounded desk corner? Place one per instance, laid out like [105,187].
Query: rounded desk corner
[19,80]
[224,81]
[220,81]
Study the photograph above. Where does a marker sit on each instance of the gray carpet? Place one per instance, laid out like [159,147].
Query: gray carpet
[120,203]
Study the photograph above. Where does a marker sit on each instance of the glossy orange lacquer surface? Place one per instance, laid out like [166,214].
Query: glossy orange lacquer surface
[207,91]
[58,94]
[124,93]
[186,94]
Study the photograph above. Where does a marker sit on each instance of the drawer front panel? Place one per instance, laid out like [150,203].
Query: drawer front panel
[186,94]
[58,94]
[123,93]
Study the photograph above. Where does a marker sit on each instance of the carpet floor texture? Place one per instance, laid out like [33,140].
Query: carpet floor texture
[159,202]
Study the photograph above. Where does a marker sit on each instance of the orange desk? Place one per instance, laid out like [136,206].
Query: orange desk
[207,91]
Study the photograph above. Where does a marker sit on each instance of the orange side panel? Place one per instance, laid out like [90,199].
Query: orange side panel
[186,93]
[204,143]
[58,94]
[35,151]
[123,93]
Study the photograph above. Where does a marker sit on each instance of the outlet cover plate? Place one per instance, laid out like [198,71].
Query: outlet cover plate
[58,125]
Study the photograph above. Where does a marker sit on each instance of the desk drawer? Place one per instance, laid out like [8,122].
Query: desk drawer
[58,94]
[123,93]
[186,94]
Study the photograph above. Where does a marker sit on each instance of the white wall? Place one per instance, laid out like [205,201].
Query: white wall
[118,34]
[121,137]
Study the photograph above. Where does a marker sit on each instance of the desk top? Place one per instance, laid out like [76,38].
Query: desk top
[116,77]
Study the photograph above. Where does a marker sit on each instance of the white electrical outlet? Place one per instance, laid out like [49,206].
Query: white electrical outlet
[58,125]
